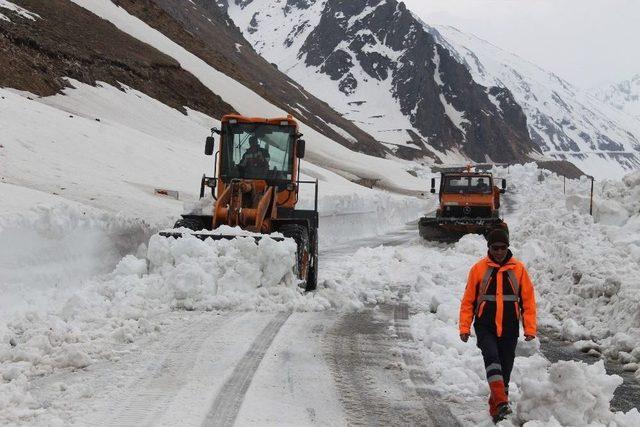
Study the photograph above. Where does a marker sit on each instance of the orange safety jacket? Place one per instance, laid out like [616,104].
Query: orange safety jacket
[475,297]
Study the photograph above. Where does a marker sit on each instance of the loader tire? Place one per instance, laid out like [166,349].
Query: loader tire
[300,235]
[190,223]
[312,279]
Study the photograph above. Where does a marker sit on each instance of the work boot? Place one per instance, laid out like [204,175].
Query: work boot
[497,397]
[503,412]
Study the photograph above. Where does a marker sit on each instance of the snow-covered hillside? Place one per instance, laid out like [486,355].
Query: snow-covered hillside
[565,121]
[278,32]
[374,63]
[321,151]
[625,96]
[357,67]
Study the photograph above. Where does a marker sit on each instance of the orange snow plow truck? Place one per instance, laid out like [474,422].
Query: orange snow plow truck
[255,186]
[469,203]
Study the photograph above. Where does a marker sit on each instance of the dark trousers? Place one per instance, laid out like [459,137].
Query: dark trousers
[498,353]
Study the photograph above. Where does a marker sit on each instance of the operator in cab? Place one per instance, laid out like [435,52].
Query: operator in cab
[255,160]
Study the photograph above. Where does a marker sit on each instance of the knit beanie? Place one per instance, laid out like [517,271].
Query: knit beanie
[498,236]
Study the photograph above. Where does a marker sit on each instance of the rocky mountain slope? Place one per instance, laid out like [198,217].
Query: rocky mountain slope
[567,123]
[376,64]
[64,40]
[394,75]
[367,74]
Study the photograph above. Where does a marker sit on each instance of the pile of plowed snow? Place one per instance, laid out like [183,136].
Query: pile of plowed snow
[432,278]
[585,289]
[76,281]
[49,251]
[585,268]
[99,288]
[69,296]
[73,292]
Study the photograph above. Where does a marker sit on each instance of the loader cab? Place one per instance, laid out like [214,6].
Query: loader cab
[259,152]
[254,150]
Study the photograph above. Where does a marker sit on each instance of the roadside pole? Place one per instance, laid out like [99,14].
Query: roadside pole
[591,201]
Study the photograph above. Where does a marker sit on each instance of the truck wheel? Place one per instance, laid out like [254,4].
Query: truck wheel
[300,235]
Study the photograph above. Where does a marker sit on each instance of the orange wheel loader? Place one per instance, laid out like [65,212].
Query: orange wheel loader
[256,185]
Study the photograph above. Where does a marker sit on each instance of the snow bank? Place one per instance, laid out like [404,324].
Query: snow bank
[213,274]
[48,251]
[345,218]
[571,394]
[618,206]
[431,278]
[69,314]
[85,317]
[76,281]
[574,266]
[585,271]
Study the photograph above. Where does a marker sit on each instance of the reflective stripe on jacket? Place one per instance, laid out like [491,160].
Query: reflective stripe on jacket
[475,297]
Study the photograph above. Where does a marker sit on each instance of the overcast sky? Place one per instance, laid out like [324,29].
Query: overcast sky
[587,42]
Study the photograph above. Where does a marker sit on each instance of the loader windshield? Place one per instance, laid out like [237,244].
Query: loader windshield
[257,151]
[465,184]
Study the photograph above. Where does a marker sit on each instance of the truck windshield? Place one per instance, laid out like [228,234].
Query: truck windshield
[468,184]
[257,151]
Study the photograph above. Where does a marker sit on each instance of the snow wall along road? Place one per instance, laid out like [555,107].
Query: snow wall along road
[71,274]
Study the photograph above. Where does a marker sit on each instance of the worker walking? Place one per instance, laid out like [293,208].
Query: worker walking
[498,295]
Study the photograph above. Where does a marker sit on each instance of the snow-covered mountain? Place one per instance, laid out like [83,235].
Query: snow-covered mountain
[137,46]
[439,90]
[566,122]
[625,96]
[377,65]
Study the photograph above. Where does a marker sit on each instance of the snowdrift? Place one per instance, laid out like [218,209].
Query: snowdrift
[83,316]
[584,268]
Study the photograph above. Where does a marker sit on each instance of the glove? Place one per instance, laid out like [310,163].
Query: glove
[529,337]
[464,337]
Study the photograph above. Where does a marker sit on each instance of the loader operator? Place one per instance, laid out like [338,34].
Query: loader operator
[255,161]
[498,294]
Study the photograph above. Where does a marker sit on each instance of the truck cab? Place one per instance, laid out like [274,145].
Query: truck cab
[468,195]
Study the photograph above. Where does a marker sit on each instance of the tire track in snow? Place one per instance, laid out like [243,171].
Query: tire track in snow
[163,377]
[422,383]
[226,406]
[367,365]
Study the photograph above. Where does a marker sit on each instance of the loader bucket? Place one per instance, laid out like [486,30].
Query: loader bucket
[452,229]
[213,236]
